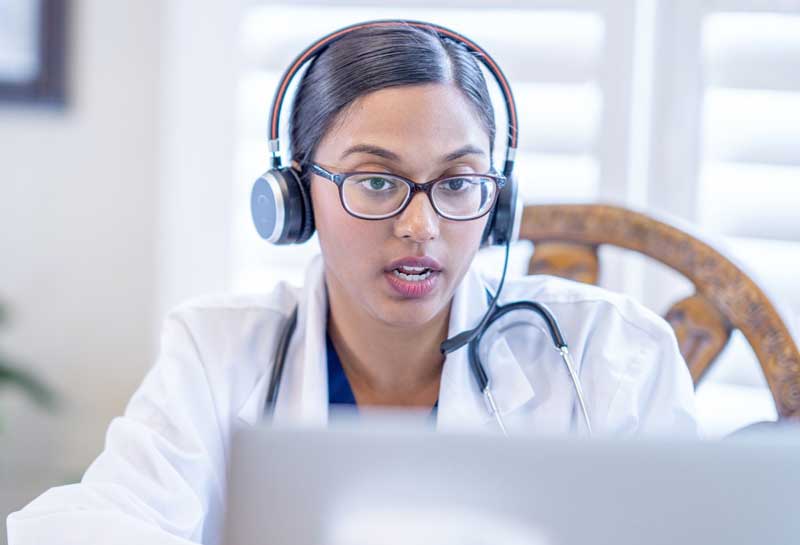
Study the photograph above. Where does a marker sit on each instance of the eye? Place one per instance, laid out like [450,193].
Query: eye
[456,184]
[376,183]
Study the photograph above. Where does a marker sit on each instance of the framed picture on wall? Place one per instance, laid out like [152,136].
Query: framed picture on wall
[32,51]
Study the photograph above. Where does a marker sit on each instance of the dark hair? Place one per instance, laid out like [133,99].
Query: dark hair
[374,58]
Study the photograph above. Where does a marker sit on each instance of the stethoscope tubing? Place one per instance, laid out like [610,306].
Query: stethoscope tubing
[557,337]
[280,362]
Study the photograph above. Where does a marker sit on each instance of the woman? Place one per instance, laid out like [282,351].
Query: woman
[373,311]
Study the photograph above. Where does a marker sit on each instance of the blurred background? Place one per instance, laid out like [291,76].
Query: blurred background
[131,132]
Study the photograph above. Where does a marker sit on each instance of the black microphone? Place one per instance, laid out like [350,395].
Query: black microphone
[454,343]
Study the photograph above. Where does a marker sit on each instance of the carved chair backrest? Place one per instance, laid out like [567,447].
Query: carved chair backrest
[566,239]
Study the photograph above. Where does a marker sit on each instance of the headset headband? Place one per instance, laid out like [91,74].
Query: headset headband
[313,49]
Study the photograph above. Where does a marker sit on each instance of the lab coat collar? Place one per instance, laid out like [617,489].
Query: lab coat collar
[303,397]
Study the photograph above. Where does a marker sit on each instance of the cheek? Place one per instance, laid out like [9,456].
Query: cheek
[462,240]
[464,235]
[342,237]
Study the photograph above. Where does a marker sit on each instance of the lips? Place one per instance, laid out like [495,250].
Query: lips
[414,262]
[413,277]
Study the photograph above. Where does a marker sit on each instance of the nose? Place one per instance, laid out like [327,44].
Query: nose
[419,221]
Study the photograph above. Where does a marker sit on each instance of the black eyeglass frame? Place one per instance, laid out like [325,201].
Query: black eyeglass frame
[414,187]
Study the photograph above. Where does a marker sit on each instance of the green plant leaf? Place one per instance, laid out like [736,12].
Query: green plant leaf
[33,387]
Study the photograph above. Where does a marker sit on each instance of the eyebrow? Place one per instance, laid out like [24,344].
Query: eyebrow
[390,155]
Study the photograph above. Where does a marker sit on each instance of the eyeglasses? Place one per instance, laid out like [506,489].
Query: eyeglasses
[379,195]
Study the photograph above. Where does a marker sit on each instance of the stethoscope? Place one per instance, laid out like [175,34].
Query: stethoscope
[472,338]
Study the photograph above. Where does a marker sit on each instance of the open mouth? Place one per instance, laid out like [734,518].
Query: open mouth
[412,274]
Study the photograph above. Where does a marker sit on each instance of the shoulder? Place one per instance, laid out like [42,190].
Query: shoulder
[218,346]
[229,333]
[224,311]
[280,300]
[588,303]
[627,356]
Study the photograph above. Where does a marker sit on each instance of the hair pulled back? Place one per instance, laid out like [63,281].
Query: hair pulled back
[374,58]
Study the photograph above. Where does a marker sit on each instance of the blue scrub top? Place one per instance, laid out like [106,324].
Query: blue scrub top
[339,390]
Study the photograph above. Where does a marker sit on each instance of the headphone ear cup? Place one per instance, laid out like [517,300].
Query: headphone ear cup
[308,210]
[281,208]
[504,219]
[486,238]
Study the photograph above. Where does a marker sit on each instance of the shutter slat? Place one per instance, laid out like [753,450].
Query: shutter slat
[753,51]
[752,126]
[750,200]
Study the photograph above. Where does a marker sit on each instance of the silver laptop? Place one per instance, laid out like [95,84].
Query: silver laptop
[387,482]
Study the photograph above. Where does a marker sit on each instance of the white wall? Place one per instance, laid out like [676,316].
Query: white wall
[197,105]
[78,211]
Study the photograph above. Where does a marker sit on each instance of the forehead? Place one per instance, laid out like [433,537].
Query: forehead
[425,122]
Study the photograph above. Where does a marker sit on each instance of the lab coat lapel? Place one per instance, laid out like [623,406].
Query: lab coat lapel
[305,399]
[303,396]
[461,404]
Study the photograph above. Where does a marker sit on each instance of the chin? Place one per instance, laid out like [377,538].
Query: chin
[408,312]
[406,321]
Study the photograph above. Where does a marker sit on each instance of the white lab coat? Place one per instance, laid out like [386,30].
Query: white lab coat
[161,477]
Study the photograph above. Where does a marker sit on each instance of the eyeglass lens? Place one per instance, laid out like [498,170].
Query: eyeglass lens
[379,195]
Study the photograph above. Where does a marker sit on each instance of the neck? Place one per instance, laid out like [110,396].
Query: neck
[386,365]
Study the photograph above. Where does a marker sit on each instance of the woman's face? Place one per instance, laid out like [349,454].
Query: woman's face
[412,131]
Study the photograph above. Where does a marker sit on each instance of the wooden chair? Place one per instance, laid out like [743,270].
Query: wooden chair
[567,237]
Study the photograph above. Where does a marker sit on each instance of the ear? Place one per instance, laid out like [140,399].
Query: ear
[296,166]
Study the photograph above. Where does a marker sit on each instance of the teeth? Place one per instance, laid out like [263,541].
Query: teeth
[413,269]
[412,277]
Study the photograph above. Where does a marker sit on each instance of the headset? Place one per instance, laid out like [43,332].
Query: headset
[281,209]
